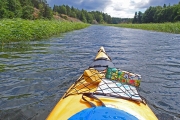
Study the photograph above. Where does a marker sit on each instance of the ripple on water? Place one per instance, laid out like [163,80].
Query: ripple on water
[34,75]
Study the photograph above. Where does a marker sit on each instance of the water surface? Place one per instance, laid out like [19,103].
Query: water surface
[34,75]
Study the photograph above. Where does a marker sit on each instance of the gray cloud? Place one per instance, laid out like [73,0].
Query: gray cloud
[141,5]
[101,5]
[95,4]
[144,5]
[82,4]
[161,2]
[61,2]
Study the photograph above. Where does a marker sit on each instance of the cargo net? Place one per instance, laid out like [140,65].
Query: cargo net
[111,83]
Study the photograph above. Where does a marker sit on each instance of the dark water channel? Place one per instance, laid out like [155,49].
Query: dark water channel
[34,75]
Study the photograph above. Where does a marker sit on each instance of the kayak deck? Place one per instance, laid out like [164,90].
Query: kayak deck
[72,102]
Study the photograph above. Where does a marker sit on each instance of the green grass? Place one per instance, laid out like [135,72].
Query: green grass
[160,27]
[23,30]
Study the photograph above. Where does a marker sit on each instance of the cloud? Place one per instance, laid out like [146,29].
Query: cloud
[115,8]
[95,4]
[90,5]
[162,2]
[141,4]
[125,9]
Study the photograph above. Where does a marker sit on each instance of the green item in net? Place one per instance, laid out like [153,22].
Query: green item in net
[123,76]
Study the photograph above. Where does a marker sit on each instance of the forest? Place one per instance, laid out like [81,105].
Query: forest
[25,9]
[158,14]
[39,9]
[83,15]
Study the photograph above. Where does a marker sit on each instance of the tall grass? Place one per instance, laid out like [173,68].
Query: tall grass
[22,30]
[161,27]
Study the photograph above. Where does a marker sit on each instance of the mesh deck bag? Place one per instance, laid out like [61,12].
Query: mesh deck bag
[111,83]
[86,83]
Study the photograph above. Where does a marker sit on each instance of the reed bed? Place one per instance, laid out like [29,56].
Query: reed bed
[160,27]
[23,30]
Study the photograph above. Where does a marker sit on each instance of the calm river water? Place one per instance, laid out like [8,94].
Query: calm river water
[34,75]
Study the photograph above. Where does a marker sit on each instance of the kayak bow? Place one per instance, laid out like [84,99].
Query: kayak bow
[94,93]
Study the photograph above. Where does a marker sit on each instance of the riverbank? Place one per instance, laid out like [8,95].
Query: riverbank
[23,30]
[160,27]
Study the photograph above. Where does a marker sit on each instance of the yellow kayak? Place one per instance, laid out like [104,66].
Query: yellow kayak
[97,96]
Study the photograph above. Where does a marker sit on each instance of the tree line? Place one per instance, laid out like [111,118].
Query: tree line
[116,20]
[39,9]
[26,9]
[83,15]
[158,14]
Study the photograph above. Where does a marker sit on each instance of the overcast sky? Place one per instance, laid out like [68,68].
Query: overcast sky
[115,8]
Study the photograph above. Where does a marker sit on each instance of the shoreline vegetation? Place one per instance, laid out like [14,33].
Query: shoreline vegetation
[159,27]
[13,30]
[34,19]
